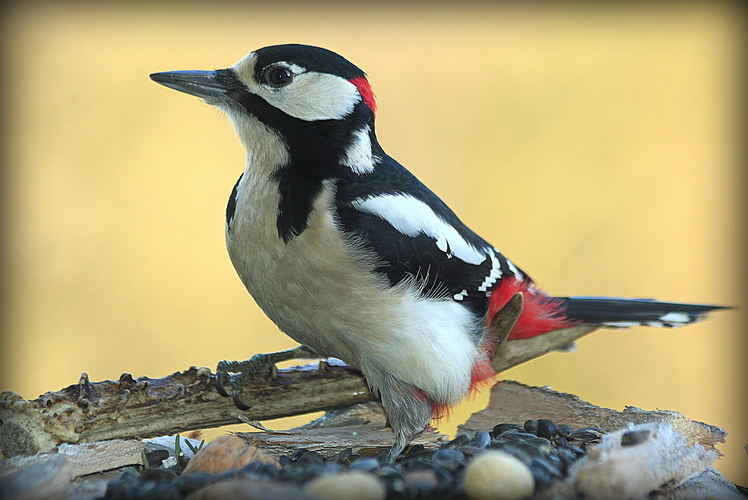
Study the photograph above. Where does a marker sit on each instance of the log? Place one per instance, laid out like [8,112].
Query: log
[145,407]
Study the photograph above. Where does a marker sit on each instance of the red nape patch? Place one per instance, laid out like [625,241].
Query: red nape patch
[362,84]
[541,313]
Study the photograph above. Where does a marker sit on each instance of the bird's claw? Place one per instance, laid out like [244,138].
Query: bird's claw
[258,363]
[222,376]
[223,379]
[237,397]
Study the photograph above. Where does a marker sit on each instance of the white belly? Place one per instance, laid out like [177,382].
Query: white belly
[321,291]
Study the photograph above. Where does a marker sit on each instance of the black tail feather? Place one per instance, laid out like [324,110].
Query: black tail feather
[634,312]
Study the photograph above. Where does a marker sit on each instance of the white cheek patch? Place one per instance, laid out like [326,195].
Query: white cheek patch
[313,96]
[310,96]
[358,156]
[413,217]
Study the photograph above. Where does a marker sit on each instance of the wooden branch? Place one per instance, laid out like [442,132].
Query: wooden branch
[145,407]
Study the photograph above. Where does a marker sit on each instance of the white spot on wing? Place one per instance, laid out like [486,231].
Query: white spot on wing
[358,155]
[494,275]
[413,217]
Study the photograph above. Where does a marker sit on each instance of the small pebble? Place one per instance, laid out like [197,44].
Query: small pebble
[351,485]
[226,453]
[495,475]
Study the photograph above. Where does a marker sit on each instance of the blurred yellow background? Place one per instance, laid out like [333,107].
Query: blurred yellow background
[597,147]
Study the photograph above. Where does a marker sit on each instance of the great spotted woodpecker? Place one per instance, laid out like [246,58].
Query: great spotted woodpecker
[353,257]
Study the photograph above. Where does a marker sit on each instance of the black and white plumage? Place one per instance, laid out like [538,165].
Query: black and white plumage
[352,256]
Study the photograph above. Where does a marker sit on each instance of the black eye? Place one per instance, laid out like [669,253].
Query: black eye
[278,76]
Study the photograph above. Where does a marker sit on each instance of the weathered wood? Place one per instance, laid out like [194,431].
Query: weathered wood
[514,402]
[361,427]
[183,401]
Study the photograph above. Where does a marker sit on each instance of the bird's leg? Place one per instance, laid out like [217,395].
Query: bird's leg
[256,364]
[397,447]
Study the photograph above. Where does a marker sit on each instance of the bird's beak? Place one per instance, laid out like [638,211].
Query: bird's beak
[205,84]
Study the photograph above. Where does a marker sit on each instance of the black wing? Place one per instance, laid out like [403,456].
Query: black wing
[438,269]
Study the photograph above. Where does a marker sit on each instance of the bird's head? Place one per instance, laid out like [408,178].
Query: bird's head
[311,100]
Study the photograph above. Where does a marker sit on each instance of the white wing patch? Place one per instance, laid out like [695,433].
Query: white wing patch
[358,156]
[413,217]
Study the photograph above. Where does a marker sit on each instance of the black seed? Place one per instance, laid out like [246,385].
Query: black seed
[568,456]
[367,464]
[482,439]
[588,434]
[546,428]
[634,437]
[296,455]
[531,426]
[460,440]
[545,466]
[516,436]
[343,457]
[561,442]
[450,458]
[563,430]
[579,452]
[542,479]
[501,428]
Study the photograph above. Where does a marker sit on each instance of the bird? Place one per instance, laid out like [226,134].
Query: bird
[349,254]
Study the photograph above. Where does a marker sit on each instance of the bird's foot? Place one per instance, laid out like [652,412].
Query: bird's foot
[259,363]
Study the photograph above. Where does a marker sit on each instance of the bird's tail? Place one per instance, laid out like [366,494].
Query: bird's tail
[542,313]
[624,313]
